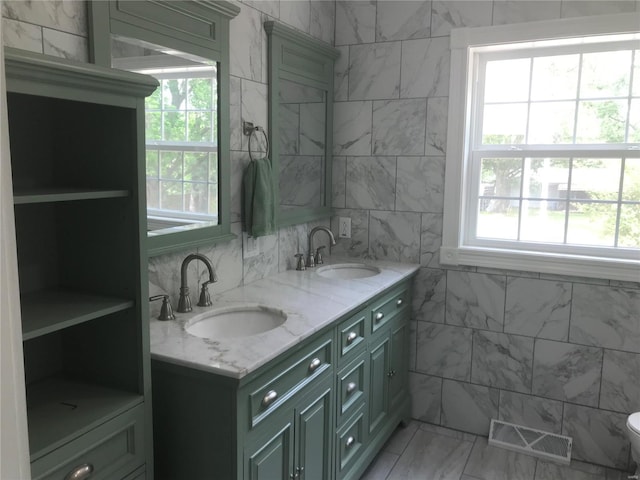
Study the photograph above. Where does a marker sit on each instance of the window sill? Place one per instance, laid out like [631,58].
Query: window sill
[558,264]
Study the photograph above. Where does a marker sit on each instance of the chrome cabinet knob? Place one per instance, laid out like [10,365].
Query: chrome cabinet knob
[379,316]
[315,363]
[296,476]
[351,387]
[350,441]
[269,398]
[80,472]
[399,302]
[351,337]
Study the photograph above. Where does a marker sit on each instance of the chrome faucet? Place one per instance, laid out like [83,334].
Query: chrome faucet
[311,262]
[184,302]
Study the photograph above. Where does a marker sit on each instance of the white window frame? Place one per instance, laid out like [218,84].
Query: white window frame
[456,248]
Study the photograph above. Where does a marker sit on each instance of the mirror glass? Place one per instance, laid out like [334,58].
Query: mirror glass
[182,135]
[302,116]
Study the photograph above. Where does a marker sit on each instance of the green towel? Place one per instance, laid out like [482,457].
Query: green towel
[259,206]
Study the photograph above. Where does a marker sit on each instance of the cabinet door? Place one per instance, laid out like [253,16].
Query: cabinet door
[314,436]
[399,362]
[378,393]
[272,457]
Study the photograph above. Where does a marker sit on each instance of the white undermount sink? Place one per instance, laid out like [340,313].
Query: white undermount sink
[235,321]
[346,271]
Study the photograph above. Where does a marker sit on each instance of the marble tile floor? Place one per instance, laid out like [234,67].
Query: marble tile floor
[422,451]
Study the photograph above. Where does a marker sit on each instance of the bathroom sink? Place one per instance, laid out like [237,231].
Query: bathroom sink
[346,271]
[236,321]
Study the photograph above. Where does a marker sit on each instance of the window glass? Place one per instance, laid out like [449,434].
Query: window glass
[507,80]
[504,123]
[555,77]
[605,74]
[551,122]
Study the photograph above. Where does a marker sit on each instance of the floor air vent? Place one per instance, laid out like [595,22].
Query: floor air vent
[534,442]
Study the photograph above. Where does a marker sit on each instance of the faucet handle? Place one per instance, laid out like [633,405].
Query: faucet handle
[319,259]
[205,298]
[166,311]
[300,263]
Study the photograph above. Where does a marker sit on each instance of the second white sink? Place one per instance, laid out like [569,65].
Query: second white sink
[346,271]
[235,321]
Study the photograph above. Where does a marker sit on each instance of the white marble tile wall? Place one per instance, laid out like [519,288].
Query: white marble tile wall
[545,377]
[554,352]
[54,27]
[541,350]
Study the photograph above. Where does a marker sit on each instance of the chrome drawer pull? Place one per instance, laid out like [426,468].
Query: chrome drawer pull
[379,316]
[269,398]
[399,302]
[351,337]
[80,472]
[350,441]
[315,363]
[351,386]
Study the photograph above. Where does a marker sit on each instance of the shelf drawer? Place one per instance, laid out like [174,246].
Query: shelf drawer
[349,443]
[385,310]
[352,387]
[292,374]
[351,336]
[112,450]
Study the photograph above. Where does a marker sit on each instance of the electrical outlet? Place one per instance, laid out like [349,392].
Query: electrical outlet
[344,229]
[250,245]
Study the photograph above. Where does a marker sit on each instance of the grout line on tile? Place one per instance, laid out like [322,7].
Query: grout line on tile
[466,463]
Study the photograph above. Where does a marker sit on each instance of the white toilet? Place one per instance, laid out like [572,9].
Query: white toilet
[633,428]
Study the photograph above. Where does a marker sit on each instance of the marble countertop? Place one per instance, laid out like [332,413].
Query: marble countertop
[310,301]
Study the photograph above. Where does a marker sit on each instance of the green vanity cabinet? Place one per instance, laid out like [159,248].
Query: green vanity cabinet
[77,150]
[298,444]
[304,415]
[387,400]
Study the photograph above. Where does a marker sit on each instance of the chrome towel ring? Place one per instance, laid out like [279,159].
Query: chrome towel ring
[249,129]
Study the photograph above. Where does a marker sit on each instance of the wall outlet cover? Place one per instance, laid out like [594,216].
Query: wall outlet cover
[344,227]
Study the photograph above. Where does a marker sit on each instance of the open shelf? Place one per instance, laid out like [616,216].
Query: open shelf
[76,171]
[60,410]
[47,311]
[48,195]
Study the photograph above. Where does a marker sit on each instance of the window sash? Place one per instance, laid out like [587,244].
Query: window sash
[480,58]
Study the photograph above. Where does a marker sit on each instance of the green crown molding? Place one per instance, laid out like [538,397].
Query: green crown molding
[301,39]
[227,9]
[24,67]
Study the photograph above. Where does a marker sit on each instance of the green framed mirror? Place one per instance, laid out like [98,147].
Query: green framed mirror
[185,46]
[301,123]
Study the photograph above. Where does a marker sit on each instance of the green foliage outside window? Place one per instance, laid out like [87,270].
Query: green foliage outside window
[183,110]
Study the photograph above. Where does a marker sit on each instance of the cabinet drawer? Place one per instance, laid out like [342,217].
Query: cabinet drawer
[112,450]
[349,443]
[384,310]
[351,336]
[292,374]
[351,387]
